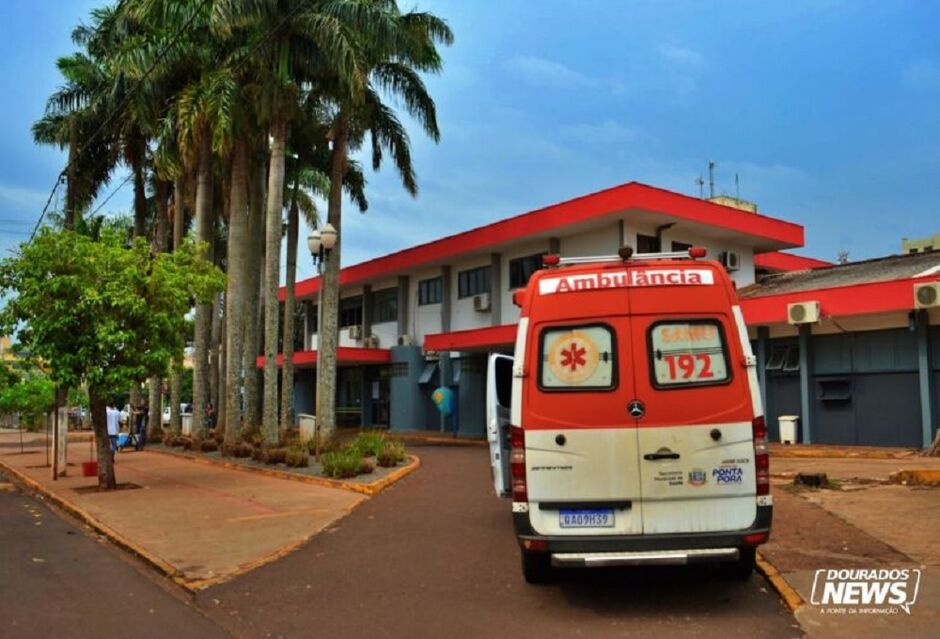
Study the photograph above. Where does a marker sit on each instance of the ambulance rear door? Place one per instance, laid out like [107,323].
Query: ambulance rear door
[696,453]
[498,394]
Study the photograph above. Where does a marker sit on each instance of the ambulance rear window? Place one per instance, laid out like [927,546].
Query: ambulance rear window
[577,358]
[688,353]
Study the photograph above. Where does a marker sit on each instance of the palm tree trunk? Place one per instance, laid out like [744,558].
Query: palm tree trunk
[72,184]
[162,196]
[215,353]
[238,282]
[140,196]
[253,269]
[176,381]
[328,339]
[203,323]
[272,259]
[287,340]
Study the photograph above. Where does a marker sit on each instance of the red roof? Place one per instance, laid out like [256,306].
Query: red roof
[472,339]
[771,231]
[780,261]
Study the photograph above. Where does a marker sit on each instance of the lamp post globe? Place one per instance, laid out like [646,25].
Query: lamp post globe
[329,236]
[314,241]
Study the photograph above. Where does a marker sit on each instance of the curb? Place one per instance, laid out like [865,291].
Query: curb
[788,593]
[438,440]
[89,520]
[370,489]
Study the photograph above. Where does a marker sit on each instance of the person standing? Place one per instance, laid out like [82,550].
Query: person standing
[114,425]
[142,414]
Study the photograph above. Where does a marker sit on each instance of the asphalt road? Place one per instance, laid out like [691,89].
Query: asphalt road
[435,556]
[58,581]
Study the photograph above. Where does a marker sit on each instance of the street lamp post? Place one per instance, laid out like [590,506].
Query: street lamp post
[321,243]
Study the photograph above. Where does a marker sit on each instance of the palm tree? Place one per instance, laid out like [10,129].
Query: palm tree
[393,64]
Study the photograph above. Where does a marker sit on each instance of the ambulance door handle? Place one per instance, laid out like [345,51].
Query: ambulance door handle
[655,456]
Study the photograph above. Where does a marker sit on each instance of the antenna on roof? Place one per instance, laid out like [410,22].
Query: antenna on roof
[737,187]
[701,186]
[711,178]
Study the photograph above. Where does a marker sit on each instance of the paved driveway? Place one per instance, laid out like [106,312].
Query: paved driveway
[435,556]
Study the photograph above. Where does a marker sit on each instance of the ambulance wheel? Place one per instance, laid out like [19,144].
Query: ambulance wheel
[743,568]
[536,567]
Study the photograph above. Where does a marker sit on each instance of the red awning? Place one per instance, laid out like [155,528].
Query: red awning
[779,261]
[344,355]
[473,339]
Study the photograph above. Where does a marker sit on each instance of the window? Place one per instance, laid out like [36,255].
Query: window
[473,282]
[647,243]
[350,311]
[522,268]
[680,247]
[784,357]
[430,291]
[313,318]
[688,353]
[385,305]
[576,358]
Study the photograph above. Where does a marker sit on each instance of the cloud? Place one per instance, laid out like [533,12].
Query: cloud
[26,198]
[605,132]
[544,72]
[921,76]
[679,55]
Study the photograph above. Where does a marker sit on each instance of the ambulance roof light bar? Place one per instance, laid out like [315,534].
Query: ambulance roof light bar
[625,254]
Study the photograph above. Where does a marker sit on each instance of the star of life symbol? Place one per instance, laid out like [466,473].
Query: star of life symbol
[573,357]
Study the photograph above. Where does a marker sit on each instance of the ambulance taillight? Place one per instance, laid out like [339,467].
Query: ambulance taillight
[761,456]
[520,492]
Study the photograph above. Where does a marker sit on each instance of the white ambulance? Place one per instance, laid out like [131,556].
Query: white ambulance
[628,427]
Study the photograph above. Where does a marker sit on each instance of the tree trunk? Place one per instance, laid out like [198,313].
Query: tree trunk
[328,339]
[176,381]
[287,340]
[252,319]
[99,418]
[203,323]
[272,259]
[238,282]
[155,416]
[140,195]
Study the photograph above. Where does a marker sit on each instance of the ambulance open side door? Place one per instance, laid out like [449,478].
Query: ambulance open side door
[498,394]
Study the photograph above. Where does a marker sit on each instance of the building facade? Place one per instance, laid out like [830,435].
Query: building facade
[429,316]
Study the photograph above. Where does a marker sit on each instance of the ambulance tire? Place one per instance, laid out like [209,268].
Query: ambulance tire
[743,568]
[536,567]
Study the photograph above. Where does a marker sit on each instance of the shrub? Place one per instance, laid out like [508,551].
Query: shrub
[326,444]
[341,463]
[168,437]
[219,438]
[370,443]
[275,456]
[208,445]
[257,453]
[243,450]
[366,465]
[228,450]
[188,443]
[298,458]
[392,453]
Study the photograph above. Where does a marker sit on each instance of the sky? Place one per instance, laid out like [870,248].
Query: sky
[827,111]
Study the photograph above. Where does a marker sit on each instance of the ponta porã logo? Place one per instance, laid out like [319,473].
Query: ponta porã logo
[865,591]
[624,279]
[697,477]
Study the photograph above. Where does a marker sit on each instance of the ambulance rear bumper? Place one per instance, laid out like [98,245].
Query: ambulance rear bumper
[597,550]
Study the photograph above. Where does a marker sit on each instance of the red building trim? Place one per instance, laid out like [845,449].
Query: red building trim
[472,339]
[632,195]
[842,301]
[780,261]
[344,355]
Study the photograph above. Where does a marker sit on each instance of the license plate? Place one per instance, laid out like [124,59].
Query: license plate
[603,518]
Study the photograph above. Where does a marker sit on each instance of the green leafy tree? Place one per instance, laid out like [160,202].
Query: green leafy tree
[32,397]
[101,313]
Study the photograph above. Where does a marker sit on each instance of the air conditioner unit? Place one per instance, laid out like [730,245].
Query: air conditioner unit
[927,295]
[803,313]
[355,332]
[371,342]
[730,260]
[406,340]
[481,302]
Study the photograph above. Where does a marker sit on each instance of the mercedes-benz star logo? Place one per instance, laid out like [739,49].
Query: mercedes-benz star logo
[636,408]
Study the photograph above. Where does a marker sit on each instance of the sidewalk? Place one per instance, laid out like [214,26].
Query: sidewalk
[861,522]
[199,523]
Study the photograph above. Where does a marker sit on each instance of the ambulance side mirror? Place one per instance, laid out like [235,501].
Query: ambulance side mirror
[518,297]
